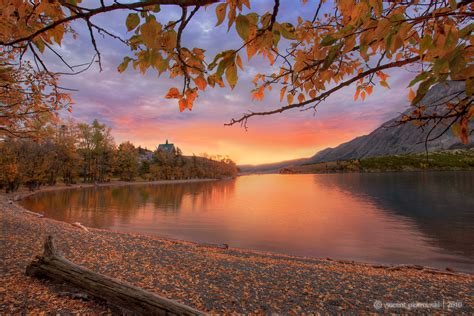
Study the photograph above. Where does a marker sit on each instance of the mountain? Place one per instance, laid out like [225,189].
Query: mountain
[388,139]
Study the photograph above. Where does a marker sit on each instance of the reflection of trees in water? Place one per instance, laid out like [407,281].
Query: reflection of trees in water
[440,204]
[100,207]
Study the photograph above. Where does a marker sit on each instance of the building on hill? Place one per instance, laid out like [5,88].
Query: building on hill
[167,147]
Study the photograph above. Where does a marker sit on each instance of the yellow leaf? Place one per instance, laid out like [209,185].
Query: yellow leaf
[132,21]
[220,13]
[289,98]
[384,84]
[242,26]
[149,32]
[231,75]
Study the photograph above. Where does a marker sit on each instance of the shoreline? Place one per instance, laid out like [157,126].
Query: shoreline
[144,260]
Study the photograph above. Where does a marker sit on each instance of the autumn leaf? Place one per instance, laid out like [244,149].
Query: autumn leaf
[173,93]
[382,76]
[132,21]
[231,75]
[301,98]
[282,93]
[220,13]
[200,82]
[149,32]
[242,26]
[384,84]
[183,104]
[411,95]
[289,98]
[258,94]
[287,30]
[369,89]
[356,95]
[238,61]
[123,66]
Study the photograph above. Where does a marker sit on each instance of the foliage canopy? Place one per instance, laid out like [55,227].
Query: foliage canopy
[348,42]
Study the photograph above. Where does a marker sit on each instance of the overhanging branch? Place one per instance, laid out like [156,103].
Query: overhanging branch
[243,119]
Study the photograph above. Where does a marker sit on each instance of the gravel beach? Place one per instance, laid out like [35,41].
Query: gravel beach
[213,280]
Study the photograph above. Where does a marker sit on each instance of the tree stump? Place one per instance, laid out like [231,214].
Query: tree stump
[131,298]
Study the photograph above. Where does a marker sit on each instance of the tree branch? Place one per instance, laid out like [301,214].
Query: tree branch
[103,9]
[243,119]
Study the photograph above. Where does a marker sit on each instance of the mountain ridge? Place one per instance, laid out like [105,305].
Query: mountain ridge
[388,139]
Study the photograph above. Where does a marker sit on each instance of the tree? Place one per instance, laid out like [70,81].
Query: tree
[127,161]
[96,147]
[9,174]
[354,43]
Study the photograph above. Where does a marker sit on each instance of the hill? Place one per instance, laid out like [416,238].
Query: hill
[387,140]
[456,159]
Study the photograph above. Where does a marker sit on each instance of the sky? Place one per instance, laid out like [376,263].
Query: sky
[133,105]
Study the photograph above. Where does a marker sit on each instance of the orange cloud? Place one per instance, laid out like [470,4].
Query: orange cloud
[261,143]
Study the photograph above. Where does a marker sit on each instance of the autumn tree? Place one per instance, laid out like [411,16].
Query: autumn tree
[96,148]
[127,161]
[10,178]
[66,158]
[353,43]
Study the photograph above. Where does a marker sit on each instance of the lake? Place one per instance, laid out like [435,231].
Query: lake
[414,218]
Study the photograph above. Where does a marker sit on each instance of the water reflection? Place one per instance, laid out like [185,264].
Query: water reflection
[440,204]
[423,218]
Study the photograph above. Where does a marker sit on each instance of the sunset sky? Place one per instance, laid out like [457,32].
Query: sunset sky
[135,107]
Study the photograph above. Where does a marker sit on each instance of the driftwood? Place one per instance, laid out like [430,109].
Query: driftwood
[131,298]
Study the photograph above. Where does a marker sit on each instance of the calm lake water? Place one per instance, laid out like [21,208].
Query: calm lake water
[417,218]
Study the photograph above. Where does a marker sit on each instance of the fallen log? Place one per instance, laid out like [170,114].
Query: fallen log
[131,298]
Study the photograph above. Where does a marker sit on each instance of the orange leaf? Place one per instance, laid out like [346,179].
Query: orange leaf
[369,89]
[301,97]
[183,104]
[259,94]
[173,93]
[382,75]
[290,97]
[200,82]
[282,93]
[362,95]
[238,61]
[357,94]
[411,95]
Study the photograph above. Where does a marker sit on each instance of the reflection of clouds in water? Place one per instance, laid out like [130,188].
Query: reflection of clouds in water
[440,204]
[388,218]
